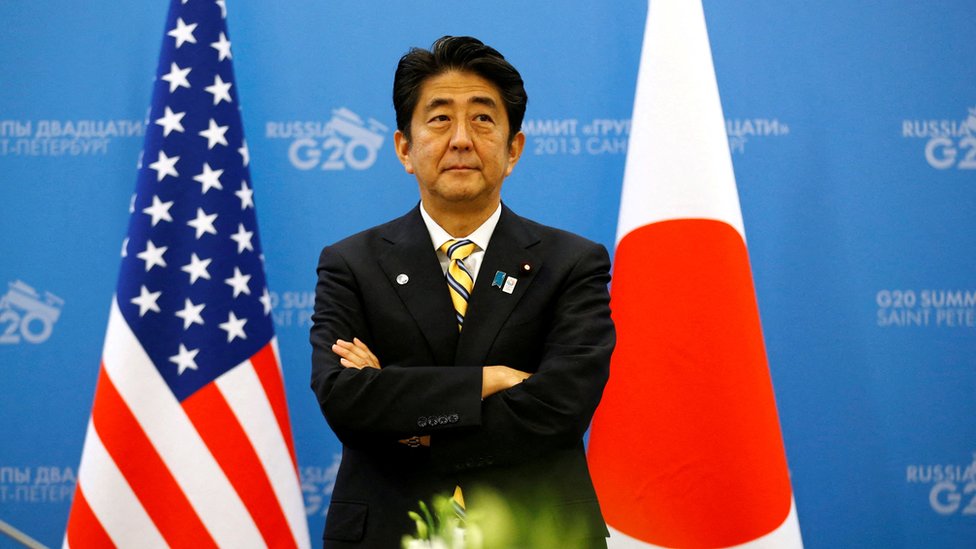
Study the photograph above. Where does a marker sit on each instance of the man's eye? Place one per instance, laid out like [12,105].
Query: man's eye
[483,118]
[440,118]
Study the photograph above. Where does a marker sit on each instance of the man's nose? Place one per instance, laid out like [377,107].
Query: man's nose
[461,138]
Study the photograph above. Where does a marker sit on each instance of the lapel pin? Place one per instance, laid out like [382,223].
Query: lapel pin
[499,279]
[402,279]
[510,284]
[526,268]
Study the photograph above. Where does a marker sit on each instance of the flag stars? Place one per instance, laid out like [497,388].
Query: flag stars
[239,282]
[246,195]
[234,327]
[215,134]
[219,89]
[171,121]
[146,301]
[209,178]
[223,8]
[197,268]
[190,314]
[243,239]
[223,48]
[159,211]
[203,223]
[152,255]
[165,165]
[245,153]
[177,78]
[185,359]
[181,280]
[183,33]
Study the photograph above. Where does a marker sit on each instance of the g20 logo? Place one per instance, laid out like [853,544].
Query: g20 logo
[24,315]
[349,143]
[943,153]
[950,143]
[947,497]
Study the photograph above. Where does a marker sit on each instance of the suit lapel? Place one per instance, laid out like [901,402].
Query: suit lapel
[424,291]
[489,306]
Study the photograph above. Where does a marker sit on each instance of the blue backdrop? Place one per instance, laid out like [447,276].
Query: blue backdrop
[853,132]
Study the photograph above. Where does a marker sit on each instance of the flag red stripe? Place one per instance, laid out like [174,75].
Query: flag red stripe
[84,528]
[214,419]
[689,396]
[144,470]
[266,365]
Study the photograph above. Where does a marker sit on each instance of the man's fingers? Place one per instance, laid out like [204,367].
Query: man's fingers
[356,354]
[351,349]
[346,350]
[370,357]
[358,343]
[350,352]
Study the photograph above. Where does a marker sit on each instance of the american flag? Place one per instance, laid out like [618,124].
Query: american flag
[189,443]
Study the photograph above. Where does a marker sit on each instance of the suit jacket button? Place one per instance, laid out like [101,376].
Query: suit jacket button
[454,418]
[421,421]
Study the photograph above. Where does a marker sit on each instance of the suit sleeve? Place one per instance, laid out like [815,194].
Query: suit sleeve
[372,407]
[552,409]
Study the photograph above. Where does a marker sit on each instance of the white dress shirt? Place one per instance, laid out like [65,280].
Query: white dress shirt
[480,236]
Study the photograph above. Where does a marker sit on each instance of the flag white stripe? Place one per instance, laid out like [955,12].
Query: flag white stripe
[245,395]
[111,498]
[785,536]
[277,355]
[172,434]
[678,160]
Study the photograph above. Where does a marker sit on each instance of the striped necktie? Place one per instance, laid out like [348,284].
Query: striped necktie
[459,280]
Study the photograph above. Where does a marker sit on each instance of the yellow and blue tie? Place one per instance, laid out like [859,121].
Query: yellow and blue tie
[459,280]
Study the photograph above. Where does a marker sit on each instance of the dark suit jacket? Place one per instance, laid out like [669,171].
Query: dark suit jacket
[525,443]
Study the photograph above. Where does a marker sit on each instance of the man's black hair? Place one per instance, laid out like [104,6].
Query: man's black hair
[460,53]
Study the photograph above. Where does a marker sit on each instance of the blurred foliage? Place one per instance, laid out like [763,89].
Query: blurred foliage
[490,522]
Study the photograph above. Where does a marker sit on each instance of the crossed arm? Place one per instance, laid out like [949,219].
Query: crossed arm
[356,354]
[518,416]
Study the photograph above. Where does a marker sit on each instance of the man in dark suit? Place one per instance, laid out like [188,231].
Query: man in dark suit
[461,348]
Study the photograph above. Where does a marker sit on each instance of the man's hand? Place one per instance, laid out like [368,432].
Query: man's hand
[499,378]
[413,442]
[355,354]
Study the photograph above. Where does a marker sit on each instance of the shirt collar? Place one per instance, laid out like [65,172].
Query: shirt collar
[480,236]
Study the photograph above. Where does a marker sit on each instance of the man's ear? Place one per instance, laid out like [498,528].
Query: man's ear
[402,146]
[515,152]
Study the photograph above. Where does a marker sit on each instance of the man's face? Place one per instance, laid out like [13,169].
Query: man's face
[459,149]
